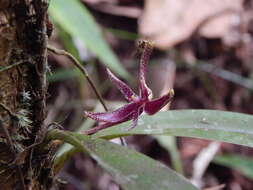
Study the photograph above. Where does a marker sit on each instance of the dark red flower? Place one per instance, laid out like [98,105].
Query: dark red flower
[137,103]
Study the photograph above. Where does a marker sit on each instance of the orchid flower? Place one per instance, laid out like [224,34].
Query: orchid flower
[137,103]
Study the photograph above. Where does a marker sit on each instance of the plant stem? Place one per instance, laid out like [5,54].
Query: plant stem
[2,69]
[82,69]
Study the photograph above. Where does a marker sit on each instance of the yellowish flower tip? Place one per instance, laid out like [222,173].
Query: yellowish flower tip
[134,98]
[171,92]
[143,44]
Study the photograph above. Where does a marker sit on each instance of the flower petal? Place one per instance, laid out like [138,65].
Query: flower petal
[124,88]
[151,107]
[120,115]
[147,50]
[135,118]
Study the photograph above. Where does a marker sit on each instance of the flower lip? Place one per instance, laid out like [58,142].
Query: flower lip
[155,105]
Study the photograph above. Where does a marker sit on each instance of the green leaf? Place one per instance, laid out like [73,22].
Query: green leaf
[74,18]
[240,163]
[223,126]
[170,144]
[62,74]
[122,34]
[68,42]
[130,169]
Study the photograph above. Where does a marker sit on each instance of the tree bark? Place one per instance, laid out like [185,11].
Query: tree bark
[23,61]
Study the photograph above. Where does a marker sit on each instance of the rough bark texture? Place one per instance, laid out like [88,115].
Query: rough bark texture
[23,41]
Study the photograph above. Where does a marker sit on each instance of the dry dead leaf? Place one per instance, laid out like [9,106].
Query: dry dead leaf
[219,187]
[100,1]
[112,7]
[169,22]
[127,11]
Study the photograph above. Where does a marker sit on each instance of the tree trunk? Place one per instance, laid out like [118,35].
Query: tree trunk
[24,163]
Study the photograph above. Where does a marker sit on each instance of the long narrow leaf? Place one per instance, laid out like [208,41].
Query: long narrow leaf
[130,169]
[74,18]
[240,163]
[223,126]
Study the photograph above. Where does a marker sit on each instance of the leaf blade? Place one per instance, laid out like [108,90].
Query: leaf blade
[223,126]
[130,169]
[74,18]
[240,163]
